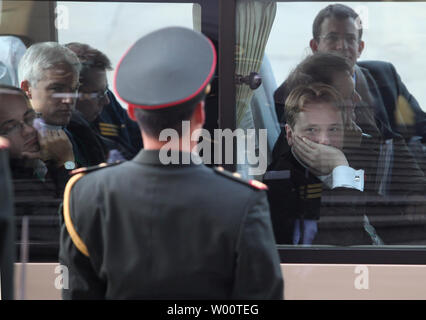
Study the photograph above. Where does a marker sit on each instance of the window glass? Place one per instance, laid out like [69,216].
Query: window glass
[113,27]
[357,176]
[91,137]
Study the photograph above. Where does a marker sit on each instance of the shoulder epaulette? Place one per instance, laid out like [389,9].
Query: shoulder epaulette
[94,168]
[237,177]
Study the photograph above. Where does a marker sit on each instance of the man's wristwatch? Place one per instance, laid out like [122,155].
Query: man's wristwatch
[69,165]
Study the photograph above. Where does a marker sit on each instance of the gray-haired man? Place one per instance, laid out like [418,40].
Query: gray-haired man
[49,75]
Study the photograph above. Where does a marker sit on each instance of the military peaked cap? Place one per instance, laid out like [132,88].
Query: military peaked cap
[167,68]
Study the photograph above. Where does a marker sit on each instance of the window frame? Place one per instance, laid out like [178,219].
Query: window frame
[223,15]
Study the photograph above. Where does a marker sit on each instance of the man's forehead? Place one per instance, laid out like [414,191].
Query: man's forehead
[344,83]
[337,25]
[61,72]
[318,113]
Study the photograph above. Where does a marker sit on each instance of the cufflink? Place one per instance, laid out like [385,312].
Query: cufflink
[69,165]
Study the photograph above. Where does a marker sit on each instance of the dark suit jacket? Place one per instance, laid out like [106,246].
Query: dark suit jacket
[159,231]
[388,90]
[114,124]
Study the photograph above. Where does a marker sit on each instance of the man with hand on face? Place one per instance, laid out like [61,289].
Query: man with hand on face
[364,140]
[299,178]
[17,124]
[38,190]
[99,107]
[363,144]
[338,28]
[49,74]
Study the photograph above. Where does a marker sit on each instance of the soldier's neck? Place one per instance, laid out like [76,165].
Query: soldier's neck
[184,143]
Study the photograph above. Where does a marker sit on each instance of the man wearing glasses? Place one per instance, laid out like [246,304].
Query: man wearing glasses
[100,108]
[338,28]
[37,190]
[364,148]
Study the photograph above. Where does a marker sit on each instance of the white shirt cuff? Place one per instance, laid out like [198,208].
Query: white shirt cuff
[344,177]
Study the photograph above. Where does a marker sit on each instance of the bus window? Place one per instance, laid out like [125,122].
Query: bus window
[384,201]
[110,27]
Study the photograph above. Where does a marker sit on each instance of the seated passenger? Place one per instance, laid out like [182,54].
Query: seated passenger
[334,70]
[365,145]
[99,106]
[315,161]
[49,74]
[390,169]
[37,184]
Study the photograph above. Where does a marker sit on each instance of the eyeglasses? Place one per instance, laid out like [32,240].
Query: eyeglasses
[64,93]
[333,38]
[93,95]
[14,126]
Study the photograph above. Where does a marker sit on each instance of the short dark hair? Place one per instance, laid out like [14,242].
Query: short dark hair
[338,11]
[317,67]
[153,122]
[304,94]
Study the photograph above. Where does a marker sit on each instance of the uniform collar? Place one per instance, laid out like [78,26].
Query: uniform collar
[152,157]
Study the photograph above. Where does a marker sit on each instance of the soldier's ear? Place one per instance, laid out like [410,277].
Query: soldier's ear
[25,86]
[289,134]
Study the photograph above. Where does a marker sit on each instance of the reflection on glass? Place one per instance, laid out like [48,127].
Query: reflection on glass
[112,27]
[370,189]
